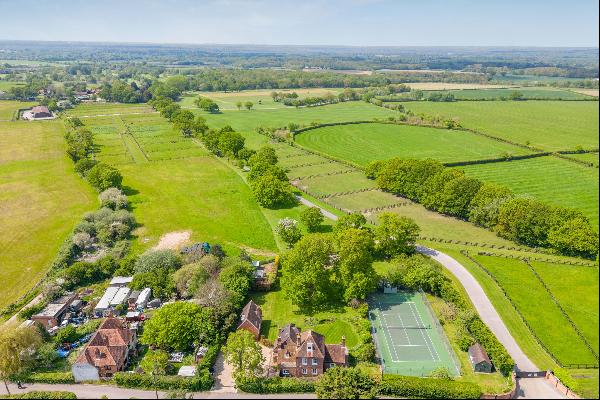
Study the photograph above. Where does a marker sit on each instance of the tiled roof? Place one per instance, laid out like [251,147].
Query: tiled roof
[336,353]
[108,346]
[288,332]
[318,342]
[252,314]
[477,354]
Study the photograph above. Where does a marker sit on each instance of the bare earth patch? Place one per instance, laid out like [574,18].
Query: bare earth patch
[173,240]
[589,92]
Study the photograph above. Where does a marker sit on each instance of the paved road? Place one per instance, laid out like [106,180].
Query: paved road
[112,392]
[533,388]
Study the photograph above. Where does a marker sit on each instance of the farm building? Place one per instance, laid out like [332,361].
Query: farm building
[37,112]
[305,354]
[103,305]
[251,319]
[107,352]
[120,297]
[479,359]
[52,315]
[143,298]
[120,281]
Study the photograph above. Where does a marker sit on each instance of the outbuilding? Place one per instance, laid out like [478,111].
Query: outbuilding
[479,359]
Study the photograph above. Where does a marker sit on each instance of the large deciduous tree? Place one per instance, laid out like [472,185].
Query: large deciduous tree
[244,354]
[395,235]
[345,383]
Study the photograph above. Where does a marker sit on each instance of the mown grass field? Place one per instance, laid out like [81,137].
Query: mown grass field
[527,92]
[548,125]
[175,185]
[8,108]
[261,98]
[587,157]
[92,109]
[362,143]
[5,85]
[41,200]
[245,121]
[576,289]
[551,179]
[536,305]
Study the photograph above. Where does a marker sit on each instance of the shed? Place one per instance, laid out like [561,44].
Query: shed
[120,281]
[479,359]
[104,303]
[120,297]
[187,371]
[143,298]
[201,352]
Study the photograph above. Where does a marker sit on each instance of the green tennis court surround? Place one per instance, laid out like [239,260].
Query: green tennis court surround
[408,336]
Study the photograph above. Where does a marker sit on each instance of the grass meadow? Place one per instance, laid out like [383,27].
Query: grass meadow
[536,305]
[548,125]
[9,107]
[528,93]
[550,179]
[175,185]
[99,108]
[246,121]
[587,157]
[362,143]
[41,200]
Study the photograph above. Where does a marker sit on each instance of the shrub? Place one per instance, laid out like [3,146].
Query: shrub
[113,198]
[345,383]
[427,388]
[103,176]
[49,377]
[502,361]
[276,385]
[84,165]
[26,313]
[312,218]
[157,259]
[36,394]
[201,382]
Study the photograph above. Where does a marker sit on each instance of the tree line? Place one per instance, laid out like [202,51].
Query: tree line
[517,218]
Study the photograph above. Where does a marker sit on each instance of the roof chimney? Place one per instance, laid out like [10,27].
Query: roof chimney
[344,341]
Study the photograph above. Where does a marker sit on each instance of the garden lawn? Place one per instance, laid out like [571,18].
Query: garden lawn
[278,311]
[245,121]
[538,309]
[550,179]
[576,289]
[41,199]
[548,125]
[9,107]
[362,143]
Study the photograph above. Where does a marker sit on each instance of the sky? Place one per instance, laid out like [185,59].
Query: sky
[572,23]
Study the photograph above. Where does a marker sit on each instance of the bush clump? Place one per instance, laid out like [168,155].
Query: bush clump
[427,388]
[201,382]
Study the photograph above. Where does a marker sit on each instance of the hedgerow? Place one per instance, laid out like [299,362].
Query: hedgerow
[41,395]
[276,385]
[502,361]
[49,377]
[427,388]
[201,382]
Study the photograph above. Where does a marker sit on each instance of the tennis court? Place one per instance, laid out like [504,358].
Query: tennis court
[408,336]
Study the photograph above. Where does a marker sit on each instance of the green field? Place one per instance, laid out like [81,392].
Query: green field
[245,121]
[362,143]
[576,289]
[8,108]
[528,93]
[551,179]
[587,157]
[536,305]
[548,125]
[175,185]
[91,109]
[261,99]
[5,85]
[41,200]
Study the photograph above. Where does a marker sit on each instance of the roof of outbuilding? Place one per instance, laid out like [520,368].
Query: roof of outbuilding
[253,314]
[477,354]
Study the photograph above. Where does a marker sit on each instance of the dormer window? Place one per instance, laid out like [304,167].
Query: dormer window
[309,346]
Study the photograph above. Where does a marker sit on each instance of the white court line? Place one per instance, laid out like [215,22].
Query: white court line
[387,333]
[425,338]
[401,323]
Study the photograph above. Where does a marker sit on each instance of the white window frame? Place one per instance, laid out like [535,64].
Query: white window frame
[285,372]
[315,371]
[304,361]
[331,365]
[304,371]
[314,361]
